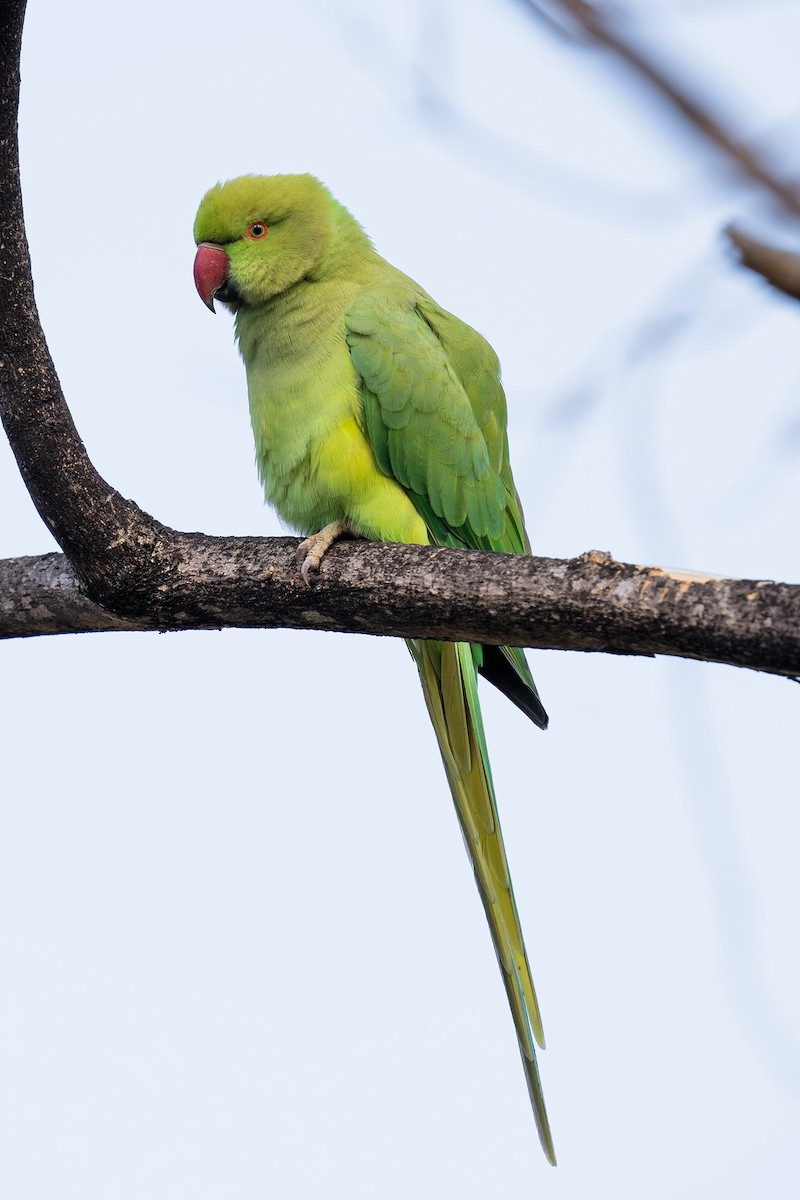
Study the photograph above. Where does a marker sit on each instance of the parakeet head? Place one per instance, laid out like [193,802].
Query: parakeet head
[260,234]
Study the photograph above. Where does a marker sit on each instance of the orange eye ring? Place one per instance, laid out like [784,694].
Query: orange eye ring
[256,230]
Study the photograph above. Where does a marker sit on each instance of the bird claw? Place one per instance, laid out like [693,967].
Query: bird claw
[307,561]
[311,551]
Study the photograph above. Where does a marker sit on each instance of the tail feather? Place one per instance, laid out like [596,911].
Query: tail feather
[506,668]
[449,682]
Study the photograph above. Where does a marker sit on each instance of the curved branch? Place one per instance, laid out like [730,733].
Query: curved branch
[91,521]
[586,603]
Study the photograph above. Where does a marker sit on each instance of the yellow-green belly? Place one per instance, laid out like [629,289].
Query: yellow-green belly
[312,454]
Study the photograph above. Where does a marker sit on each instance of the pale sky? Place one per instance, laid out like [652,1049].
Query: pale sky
[243,951]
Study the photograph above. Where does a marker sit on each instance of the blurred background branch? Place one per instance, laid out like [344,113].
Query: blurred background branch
[612,28]
[778,266]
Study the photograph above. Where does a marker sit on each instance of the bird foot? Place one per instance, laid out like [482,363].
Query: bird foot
[310,553]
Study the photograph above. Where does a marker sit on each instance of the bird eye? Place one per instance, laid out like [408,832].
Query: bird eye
[256,230]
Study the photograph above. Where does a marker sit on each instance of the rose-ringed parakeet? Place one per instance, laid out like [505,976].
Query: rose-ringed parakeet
[378,413]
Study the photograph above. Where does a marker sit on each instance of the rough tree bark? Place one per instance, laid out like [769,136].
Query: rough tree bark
[585,603]
[122,569]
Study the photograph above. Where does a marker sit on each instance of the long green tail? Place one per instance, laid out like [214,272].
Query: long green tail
[449,681]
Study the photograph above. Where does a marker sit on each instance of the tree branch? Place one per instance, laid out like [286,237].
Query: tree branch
[124,570]
[778,266]
[91,521]
[586,603]
[603,26]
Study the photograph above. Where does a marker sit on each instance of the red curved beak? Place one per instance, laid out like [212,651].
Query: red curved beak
[210,271]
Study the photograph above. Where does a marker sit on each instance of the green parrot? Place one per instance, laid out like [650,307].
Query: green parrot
[376,413]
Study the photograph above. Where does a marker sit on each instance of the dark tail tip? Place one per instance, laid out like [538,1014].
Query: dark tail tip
[500,672]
